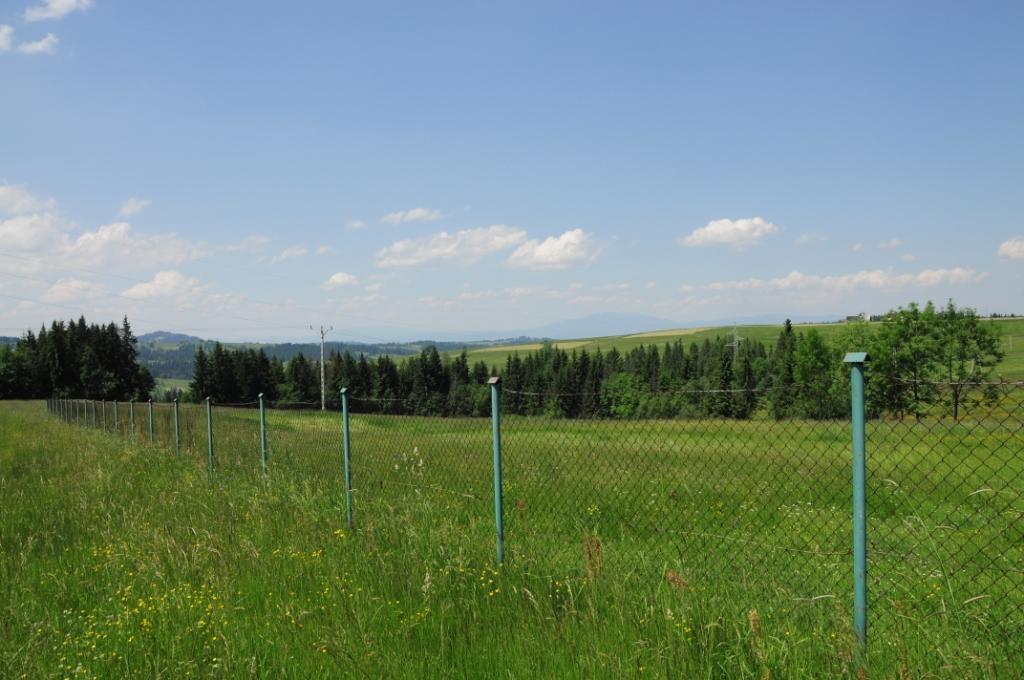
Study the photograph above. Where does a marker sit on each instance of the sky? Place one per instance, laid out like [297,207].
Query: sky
[242,170]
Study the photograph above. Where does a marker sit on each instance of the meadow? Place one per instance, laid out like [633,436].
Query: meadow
[680,548]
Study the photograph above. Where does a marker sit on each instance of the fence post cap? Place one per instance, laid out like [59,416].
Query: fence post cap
[259,396]
[856,358]
[208,400]
[494,380]
[343,390]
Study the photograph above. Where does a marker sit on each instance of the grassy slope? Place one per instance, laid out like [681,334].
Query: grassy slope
[1012,367]
[119,559]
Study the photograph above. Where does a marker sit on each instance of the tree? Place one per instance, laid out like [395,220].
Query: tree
[813,368]
[968,349]
[782,373]
[904,360]
[199,388]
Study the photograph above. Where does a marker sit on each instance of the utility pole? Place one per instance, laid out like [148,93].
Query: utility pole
[323,373]
[735,342]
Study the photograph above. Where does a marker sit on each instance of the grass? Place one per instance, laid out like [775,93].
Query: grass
[165,384]
[664,548]
[1012,331]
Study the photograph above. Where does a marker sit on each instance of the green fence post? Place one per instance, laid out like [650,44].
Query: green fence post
[117,425]
[131,414]
[860,540]
[209,434]
[263,437]
[152,432]
[177,431]
[346,447]
[94,414]
[103,413]
[499,514]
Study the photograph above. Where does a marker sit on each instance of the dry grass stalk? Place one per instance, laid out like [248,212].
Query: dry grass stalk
[676,581]
[757,643]
[592,553]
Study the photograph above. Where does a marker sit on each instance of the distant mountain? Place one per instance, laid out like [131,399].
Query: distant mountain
[7,340]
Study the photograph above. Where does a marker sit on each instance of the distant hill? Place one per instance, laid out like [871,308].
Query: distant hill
[170,355]
[168,338]
[7,340]
[1011,332]
[595,325]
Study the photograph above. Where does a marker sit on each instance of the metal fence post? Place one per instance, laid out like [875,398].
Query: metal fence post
[177,431]
[103,413]
[94,414]
[860,547]
[263,436]
[499,514]
[347,455]
[131,414]
[152,432]
[117,426]
[209,434]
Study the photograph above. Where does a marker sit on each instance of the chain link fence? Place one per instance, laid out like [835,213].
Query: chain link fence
[745,513]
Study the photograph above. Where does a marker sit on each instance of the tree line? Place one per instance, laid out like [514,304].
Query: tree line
[77,360]
[800,375]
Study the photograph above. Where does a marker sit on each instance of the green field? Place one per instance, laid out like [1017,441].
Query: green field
[1012,331]
[664,548]
[165,384]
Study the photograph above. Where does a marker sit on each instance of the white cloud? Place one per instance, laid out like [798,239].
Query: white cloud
[890,244]
[37,230]
[70,290]
[355,225]
[31,231]
[340,279]
[6,37]
[249,243]
[809,238]
[413,215]
[907,257]
[323,250]
[736,233]
[119,243]
[288,253]
[876,278]
[47,45]
[468,245]
[16,200]
[56,9]
[1012,249]
[857,247]
[164,284]
[134,206]
[555,252]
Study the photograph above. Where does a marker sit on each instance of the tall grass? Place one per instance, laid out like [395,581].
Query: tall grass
[667,549]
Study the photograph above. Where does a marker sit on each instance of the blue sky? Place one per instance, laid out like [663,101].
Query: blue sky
[242,170]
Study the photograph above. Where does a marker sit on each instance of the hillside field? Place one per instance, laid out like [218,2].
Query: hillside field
[1011,330]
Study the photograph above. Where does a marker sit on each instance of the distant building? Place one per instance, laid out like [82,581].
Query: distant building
[856,317]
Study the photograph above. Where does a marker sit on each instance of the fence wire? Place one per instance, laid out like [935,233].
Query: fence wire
[747,513]
[946,514]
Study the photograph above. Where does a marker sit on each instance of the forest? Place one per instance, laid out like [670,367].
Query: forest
[800,375]
[75,359]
